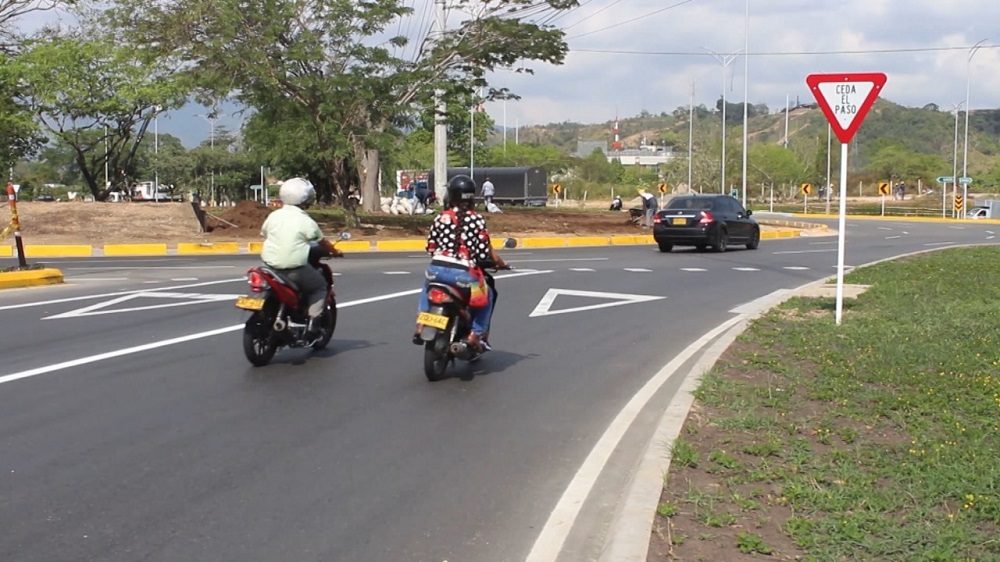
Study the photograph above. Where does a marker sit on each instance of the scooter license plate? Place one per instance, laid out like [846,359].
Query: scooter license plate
[249,303]
[434,320]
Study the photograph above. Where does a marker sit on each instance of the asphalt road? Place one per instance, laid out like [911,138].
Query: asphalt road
[132,427]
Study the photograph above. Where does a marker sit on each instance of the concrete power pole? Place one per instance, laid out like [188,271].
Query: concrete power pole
[440,123]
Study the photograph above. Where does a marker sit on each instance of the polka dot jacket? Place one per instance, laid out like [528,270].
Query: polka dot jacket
[461,235]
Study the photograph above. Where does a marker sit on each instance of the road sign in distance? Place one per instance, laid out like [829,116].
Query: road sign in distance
[883,188]
[663,188]
[845,98]
[965,180]
[946,179]
[556,188]
[807,188]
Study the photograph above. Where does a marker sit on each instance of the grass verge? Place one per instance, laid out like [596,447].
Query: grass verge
[878,439]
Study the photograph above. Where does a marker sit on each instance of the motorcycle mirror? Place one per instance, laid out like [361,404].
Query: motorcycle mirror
[345,235]
[510,243]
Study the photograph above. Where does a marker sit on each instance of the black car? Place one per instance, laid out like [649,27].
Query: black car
[705,220]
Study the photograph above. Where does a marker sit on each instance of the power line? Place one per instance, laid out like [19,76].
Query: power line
[785,53]
[644,16]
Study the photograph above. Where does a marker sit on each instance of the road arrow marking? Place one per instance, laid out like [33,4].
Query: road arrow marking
[544,306]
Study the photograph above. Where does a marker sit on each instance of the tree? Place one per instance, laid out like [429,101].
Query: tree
[12,10]
[19,135]
[347,89]
[97,97]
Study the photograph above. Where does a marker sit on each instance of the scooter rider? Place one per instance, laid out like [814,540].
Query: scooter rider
[460,246]
[289,234]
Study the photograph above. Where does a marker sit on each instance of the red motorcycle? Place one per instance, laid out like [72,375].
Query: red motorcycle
[278,314]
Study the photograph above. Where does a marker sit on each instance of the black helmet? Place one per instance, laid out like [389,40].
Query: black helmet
[461,189]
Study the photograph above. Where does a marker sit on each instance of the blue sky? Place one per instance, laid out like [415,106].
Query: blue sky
[632,55]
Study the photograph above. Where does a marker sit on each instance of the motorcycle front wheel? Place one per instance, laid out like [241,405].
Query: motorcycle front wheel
[328,321]
[258,344]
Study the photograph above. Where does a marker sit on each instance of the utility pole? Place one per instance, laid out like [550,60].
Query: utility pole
[690,136]
[440,113]
[746,98]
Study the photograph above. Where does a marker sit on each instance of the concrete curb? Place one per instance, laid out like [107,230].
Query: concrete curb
[25,279]
[30,278]
[400,245]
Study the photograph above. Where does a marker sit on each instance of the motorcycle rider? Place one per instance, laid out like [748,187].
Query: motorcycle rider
[289,235]
[460,248]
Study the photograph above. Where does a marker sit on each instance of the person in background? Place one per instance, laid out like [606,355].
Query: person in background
[616,203]
[488,191]
[649,206]
[288,234]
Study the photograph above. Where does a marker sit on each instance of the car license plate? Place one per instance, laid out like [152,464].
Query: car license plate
[249,303]
[679,221]
[433,320]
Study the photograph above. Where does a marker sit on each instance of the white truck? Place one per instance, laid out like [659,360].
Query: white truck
[146,191]
[988,209]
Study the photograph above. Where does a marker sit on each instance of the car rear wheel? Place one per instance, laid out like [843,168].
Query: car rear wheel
[665,246]
[721,241]
[754,241]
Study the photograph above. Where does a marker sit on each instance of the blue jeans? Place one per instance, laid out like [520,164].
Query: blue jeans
[459,278]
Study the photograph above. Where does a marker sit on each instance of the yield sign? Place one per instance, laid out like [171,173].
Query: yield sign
[846,98]
[611,299]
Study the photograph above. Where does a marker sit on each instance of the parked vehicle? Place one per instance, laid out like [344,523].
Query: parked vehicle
[988,209]
[512,185]
[705,220]
[278,314]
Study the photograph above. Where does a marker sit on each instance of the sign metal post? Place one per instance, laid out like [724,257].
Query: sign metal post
[845,99]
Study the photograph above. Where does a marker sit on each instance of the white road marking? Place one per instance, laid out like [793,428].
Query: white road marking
[693,269]
[395,272]
[559,260]
[118,293]
[805,251]
[884,228]
[553,535]
[544,305]
[184,279]
[796,268]
[582,269]
[182,299]
[892,237]
[638,270]
[745,269]
[200,335]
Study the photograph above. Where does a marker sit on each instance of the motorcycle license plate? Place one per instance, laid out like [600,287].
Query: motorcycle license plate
[249,303]
[433,320]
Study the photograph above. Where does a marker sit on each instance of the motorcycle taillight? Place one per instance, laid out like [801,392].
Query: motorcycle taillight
[437,296]
[257,281]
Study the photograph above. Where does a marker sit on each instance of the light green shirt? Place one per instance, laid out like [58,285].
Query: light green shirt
[287,232]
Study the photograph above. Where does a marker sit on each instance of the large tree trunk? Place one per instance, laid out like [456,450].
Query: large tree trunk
[370,163]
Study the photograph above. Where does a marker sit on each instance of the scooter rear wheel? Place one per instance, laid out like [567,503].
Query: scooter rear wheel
[436,358]
[328,321]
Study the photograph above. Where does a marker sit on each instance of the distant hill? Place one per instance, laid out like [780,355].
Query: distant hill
[926,130]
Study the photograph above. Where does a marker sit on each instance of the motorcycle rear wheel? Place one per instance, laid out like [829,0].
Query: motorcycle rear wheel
[258,345]
[436,357]
[328,322]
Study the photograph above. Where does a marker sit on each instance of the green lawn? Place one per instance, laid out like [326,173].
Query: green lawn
[878,439]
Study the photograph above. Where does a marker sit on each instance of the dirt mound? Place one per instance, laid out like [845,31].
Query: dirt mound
[103,223]
[246,216]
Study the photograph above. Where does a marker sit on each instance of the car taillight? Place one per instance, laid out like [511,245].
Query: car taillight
[657,219]
[437,296]
[706,218]
[257,281]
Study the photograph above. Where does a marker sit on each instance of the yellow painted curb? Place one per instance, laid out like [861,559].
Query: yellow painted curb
[135,249]
[255,247]
[13,279]
[57,250]
[542,242]
[361,246]
[400,245]
[6,251]
[589,241]
[631,239]
[778,234]
[209,248]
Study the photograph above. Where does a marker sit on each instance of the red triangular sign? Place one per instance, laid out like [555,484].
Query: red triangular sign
[846,98]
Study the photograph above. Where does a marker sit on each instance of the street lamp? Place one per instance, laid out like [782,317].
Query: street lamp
[954,165]
[746,95]
[690,136]
[211,118]
[725,61]
[156,152]
[965,158]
